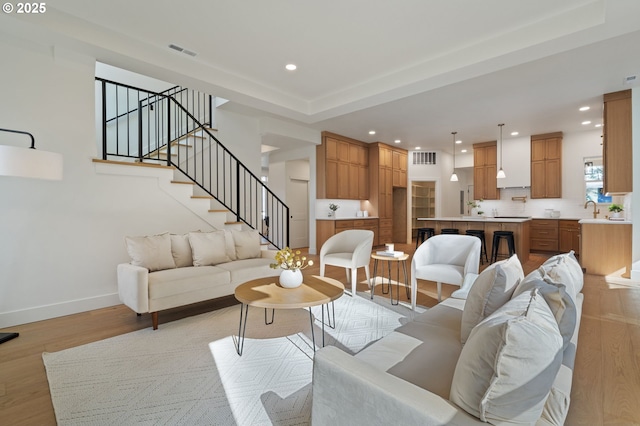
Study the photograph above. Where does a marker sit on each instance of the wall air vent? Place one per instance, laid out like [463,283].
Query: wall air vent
[424,158]
[175,47]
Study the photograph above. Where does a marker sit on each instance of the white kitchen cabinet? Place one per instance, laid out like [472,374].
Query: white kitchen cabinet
[516,162]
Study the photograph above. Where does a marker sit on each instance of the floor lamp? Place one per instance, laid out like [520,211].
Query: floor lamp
[29,163]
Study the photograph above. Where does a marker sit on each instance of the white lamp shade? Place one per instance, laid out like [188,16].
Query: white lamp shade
[501,174]
[454,177]
[30,163]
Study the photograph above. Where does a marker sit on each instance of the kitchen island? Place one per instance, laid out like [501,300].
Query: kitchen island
[518,225]
[605,246]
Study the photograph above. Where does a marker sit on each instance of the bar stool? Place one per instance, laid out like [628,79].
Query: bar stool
[449,231]
[497,237]
[424,234]
[483,249]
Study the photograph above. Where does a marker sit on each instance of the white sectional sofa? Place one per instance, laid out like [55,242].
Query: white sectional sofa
[169,270]
[503,356]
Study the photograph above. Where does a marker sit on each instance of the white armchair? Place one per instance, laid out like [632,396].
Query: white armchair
[350,249]
[444,259]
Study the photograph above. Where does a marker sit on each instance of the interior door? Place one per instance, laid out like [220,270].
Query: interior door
[298,201]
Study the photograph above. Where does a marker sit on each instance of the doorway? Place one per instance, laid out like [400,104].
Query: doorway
[423,203]
[298,201]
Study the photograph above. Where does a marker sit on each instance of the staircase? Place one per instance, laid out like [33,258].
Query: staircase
[174,129]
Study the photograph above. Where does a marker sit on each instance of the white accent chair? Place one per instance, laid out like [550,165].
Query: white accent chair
[444,259]
[350,249]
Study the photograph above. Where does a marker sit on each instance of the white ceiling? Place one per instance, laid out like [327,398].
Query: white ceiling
[413,70]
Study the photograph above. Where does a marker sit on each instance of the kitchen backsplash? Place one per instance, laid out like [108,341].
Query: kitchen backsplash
[569,208]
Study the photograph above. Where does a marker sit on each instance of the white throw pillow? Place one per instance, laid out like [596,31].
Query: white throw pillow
[560,300]
[247,243]
[565,269]
[208,248]
[152,252]
[181,250]
[492,289]
[509,363]
[230,245]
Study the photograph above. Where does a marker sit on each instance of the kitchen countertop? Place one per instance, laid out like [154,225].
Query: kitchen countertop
[604,222]
[478,219]
[347,218]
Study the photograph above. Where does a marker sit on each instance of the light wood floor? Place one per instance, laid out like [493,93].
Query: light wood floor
[606,383]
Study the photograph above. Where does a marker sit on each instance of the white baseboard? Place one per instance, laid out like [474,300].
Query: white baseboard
[39,313]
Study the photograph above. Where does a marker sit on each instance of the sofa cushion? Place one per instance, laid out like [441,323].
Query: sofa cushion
[152,252]
[509,363]
[247,243]
[423,351]
[173,282]
[564,268]
[181,250]
[249,269]
[560,300]
[208,248]
[492,289]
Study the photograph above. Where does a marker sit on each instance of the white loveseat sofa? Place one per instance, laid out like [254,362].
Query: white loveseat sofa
[168,270]
[514,367]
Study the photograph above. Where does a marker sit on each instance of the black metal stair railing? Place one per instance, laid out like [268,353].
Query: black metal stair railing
[157,127]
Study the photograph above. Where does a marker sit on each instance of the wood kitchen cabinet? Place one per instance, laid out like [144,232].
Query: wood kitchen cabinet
[485,168]
[544,235]
[399,161]
[569,236]
[546,165]
[616,143]
[342,168]
[325,228]
[388,197]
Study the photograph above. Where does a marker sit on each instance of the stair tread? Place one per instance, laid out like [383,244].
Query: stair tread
[218,211]
[130,163]
[182,182]
[202,196]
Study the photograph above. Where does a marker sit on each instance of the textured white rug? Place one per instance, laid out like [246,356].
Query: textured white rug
[188,371]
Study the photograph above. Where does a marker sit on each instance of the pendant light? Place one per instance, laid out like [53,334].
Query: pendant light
[501,174]
[454,176]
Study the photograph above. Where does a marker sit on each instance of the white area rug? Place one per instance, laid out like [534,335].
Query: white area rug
[188,372]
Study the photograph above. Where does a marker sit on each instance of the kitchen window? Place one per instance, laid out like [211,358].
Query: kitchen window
[593,177]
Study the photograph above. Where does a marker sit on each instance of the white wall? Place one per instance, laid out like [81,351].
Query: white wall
[277,180]
[61,241]
[635,203]
[119,75]
[240,134]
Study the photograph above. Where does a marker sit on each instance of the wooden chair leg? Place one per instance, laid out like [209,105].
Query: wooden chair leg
[154,319]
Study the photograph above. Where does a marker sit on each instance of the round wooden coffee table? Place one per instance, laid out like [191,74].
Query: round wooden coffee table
[268,294]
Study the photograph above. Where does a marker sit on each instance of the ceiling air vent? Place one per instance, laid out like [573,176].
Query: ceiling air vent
[182,49]
[424,158]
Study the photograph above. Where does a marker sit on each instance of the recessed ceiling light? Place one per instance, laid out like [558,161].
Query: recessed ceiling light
[514,133]
[458,141]
[291,67]
[586,122]
[397,141]
[463,151]
[585,108]
[598,125]
[372,132]
[417,147]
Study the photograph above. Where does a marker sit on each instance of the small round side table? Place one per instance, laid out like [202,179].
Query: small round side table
[391,259]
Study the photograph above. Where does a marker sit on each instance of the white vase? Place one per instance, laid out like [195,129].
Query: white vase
[616,215]
[290,278]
